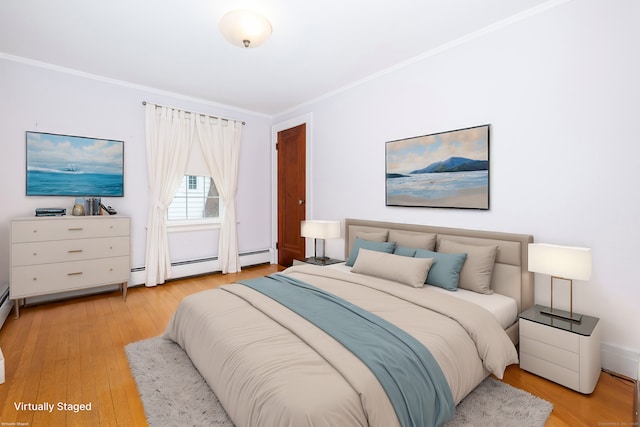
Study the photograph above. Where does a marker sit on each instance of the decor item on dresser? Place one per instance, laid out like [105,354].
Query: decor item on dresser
[441,170]
[93,206]
[272,348]
[78,207]
[51,255]
[108,209]
[561,262]
[51,211]
[65,165]
[320,230]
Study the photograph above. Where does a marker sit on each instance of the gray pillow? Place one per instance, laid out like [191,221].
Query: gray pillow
[445,271]
[477,269]
[387,247]
[404,251]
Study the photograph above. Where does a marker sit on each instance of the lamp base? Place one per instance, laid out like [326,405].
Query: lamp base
[321,260]
[562,314]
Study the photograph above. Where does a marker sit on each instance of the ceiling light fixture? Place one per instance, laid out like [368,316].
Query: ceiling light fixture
[245,28]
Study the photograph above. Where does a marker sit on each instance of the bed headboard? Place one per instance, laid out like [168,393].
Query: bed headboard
[511,276]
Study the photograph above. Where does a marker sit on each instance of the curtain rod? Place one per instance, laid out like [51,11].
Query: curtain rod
[190,112]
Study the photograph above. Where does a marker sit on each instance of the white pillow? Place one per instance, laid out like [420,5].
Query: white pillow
[477,269]
[402,269]
[413,239]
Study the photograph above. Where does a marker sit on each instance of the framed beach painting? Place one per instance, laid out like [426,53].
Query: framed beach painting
[65,165]
[441,170]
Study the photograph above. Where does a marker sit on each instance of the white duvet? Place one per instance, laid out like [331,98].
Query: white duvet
[270,367]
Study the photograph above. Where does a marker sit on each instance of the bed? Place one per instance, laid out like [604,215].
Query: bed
[270,364]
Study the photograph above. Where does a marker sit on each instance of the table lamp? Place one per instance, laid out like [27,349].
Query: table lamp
[320,230]
[561,262]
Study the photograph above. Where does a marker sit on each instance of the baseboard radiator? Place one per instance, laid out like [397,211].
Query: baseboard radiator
[196,267]
[5,303]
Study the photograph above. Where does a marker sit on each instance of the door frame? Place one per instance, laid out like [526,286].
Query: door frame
[275,128]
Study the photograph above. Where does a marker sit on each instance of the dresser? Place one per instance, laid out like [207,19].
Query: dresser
[562,351]
[50,255]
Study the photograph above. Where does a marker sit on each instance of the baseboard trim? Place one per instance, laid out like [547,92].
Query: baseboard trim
[622,361]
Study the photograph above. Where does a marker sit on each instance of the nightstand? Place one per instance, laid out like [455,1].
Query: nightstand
[317,261]
[562,351]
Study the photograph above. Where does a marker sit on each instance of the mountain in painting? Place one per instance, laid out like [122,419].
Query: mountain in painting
[455,164]
[396,175]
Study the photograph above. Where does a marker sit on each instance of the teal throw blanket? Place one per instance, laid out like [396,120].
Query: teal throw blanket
[406,370]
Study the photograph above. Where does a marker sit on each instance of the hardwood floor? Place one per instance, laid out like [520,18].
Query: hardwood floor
[72,352]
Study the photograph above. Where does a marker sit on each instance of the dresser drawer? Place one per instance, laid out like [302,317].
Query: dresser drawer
[557,355]
[64,228]
[555,337]
[42,279]
[68,250]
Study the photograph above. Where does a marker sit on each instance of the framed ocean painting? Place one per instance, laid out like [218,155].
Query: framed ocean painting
[441,170]
[65,165]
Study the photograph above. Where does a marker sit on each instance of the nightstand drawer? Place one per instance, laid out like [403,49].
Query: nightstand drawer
[546,369]
[559,356]
[555,337]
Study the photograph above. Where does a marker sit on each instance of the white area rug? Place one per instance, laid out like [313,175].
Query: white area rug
[174,394]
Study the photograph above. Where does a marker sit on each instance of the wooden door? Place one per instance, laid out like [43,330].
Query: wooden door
[291,148]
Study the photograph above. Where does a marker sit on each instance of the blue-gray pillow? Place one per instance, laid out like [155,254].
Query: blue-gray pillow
[445,271]
[405,251]
[387,247]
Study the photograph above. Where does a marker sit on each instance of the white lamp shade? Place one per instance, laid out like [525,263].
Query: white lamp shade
[245,28]
[320,229]
[566,262]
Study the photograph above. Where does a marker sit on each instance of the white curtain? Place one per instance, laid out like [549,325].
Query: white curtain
[220,142]
[169,135]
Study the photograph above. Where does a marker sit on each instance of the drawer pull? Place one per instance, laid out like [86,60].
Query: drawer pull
[75,274]
[76,229]
[74,251]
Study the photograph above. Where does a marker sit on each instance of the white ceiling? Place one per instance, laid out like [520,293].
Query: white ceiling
[317,47]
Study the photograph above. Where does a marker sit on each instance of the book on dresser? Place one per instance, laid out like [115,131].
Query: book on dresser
[55,254]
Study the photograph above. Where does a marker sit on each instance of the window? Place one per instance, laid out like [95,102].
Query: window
[197,200]
[193,182]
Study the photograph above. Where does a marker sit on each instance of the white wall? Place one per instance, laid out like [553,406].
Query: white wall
[42,99]
[560,90]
